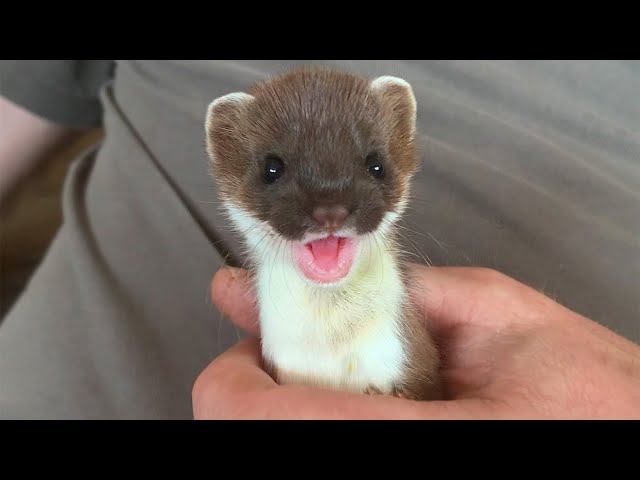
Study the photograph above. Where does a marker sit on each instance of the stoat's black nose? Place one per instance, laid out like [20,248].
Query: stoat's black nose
[330,218]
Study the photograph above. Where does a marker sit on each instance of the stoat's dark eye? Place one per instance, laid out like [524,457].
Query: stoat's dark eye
[374,166]
[273,168]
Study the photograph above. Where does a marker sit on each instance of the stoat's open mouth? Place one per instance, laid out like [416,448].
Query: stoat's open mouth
[326,260]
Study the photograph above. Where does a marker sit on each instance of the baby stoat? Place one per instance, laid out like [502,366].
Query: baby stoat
[313,169]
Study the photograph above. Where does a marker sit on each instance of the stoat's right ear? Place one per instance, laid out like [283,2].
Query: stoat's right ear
[224,124]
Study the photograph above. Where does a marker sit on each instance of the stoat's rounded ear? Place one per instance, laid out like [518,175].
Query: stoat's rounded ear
[224,124]
[399,102]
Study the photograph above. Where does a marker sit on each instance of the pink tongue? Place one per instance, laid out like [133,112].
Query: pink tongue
[327,260]
[325,252]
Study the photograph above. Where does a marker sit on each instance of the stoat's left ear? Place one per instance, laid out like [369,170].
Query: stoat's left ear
[399,102]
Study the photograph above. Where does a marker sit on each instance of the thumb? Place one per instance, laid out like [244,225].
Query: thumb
[233,293]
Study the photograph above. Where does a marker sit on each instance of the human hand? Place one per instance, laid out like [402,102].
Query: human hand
[508,351]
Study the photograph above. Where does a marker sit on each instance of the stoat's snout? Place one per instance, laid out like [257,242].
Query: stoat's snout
[330,218]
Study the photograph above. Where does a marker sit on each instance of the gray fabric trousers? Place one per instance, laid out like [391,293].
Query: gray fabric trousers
[532,168]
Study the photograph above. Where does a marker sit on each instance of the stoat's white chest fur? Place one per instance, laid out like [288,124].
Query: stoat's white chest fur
[346,336]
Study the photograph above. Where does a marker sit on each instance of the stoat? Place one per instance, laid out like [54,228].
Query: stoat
[313,168]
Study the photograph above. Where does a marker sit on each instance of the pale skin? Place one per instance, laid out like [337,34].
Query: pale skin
[26,140]
[509,352]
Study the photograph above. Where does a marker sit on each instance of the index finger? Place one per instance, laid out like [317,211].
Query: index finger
[453,296]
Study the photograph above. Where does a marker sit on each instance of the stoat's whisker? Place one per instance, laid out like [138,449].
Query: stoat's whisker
[369,241]
[286,278]
[274,259]
[423,256]
[440,243]
[249,255]
[375,238]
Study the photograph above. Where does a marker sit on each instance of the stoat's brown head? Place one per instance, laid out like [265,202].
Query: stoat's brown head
[315,152]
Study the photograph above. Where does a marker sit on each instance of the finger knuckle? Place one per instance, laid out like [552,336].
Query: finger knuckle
[496,285]
[211,400]
[201,387]
[492,277]
[210,381]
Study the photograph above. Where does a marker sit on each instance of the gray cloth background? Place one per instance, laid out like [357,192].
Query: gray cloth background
[529,167]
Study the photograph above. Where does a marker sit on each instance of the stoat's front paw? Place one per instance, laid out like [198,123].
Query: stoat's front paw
[372,390]
[400,392]
[397,391]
